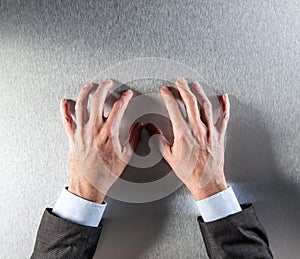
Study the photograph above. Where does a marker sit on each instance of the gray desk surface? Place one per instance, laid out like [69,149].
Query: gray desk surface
[250,49]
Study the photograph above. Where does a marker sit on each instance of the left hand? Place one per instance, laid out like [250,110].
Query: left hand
[97,158]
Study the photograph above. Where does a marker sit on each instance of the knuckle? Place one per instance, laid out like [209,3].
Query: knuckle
[79,103]
[183,89]
[193,99]
[207,105]
[127,151]
[104,134]
[181,133]
[109,129]
[226,116]
[94,97]
[106,129]
[118,104]
[179,136]
[201,131]
[87,85]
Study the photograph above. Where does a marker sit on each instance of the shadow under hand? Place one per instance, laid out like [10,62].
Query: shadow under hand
[130,229]
[254,174]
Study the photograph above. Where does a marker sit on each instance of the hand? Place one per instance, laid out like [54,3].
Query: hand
[197,152]
[97,158]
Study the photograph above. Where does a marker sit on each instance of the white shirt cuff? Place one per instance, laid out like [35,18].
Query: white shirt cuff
[219,206]
[78,210]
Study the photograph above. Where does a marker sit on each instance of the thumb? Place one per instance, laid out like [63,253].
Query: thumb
[134,136]
[223,118]
[67,109]
[162,143]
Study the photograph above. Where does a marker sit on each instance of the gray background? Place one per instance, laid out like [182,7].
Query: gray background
[249,49]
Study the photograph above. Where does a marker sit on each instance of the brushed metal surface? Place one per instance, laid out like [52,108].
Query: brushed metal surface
[249,49]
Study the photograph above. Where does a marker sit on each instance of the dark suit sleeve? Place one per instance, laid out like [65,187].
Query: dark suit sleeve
[60,238]
[237,236]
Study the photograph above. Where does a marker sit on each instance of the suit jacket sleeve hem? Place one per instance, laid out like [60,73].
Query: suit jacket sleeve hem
[239,235]
[60,238]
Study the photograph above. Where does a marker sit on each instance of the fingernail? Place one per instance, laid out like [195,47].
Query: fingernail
[128,92]
[107,80]
[165,88]
[181,80]
[194,84]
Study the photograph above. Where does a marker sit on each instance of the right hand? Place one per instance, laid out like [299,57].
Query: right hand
[197,152]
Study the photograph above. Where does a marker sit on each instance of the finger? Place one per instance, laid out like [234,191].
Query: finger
[134,137]
[161,142]
[118,110]
[114,118]
[67,109]
[178,122]
[81,104]
[224,115]
[97,103]
[204,102]
[191,104]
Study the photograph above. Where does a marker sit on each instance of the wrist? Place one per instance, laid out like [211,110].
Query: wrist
[85,190]
[216,185]
[80,186]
